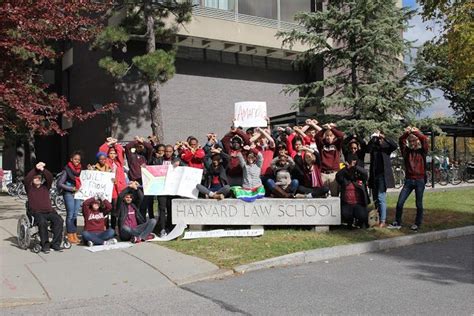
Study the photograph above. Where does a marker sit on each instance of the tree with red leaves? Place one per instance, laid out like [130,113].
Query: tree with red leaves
[30,33]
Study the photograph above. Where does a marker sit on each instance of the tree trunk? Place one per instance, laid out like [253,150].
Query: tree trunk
[32,151]
[153,86]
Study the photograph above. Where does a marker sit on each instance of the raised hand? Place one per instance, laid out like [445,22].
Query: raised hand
[40,166]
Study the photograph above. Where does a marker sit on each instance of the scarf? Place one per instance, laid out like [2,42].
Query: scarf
[76,171]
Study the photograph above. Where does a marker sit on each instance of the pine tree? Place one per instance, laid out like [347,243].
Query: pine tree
[155,22]
[361,46]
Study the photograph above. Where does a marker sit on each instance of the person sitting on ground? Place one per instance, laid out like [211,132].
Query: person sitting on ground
[414,148]
[354,196]
[192,154]
[212,145]
[356,145]
[132,224]
[252,187]
[329,141]
[37,185]
[95,210]
[284,186]
[233,142]
[308,173]
[215,184]
[101,164]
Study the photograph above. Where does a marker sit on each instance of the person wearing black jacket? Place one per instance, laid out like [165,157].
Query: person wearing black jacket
[380,173]
[355,144]
[40,208]
[354,196]
[215,183]
[132,225]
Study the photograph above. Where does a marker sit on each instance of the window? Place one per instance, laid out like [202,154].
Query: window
[262,8]
[288,8]
[220,4]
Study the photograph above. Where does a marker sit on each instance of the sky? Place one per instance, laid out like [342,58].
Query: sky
[420,34]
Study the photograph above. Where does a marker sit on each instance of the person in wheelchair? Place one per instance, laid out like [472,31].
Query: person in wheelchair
[37,184]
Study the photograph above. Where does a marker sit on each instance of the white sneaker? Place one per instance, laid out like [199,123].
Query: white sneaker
[90,244]
[110,242]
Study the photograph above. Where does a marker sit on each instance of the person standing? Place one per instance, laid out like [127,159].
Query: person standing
[380,172]
[414,148]
[37,185]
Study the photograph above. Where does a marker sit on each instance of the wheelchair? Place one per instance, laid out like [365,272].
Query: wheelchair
[28,233]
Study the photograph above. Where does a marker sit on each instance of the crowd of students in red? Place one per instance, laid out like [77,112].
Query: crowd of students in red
[299,162]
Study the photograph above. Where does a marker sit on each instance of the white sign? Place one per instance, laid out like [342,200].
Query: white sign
[250,114]
[95,183]
[182,181]
[6,178]
[177,231]
[218,233]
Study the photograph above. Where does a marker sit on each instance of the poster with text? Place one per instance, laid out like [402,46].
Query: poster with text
[250,114]
[182,181]
[95,183]
[154,179]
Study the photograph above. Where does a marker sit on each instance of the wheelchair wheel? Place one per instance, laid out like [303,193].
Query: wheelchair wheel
[23,232]
[66,244]
[36,248]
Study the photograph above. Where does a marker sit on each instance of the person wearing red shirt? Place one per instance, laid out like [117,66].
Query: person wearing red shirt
[192,154]
[414,148]
[95,211]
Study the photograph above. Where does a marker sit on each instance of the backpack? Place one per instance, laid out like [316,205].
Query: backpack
[59,190]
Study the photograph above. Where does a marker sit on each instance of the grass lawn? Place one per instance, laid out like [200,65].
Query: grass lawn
[443,209]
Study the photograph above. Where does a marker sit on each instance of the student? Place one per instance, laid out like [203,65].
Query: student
[115,160]
[95,210]
[101,164]
[212,147]
[308,173]
[192,154]
[233,142]
[354,196]
[414,156]
[138,153]
[132,224]
[70,183]
[164,201]
[356,145]
[37,185]
[215,184]
[329,141]
[252,187]
[380,172]
[284,186]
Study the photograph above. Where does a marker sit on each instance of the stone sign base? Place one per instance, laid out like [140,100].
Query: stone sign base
[267,211]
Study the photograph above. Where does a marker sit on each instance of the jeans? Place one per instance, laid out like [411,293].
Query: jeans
[98,238]
[315,192]
[379,192]
[271,184]
[410,185]
[42,220]
[216,189]
[350,212]
[72,209]
[141,231]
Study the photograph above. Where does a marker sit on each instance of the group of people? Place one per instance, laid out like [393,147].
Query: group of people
[309,161]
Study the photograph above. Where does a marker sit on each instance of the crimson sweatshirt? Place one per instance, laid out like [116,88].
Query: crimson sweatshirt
[330,153]
[94,221]
[38,198]
[414,159]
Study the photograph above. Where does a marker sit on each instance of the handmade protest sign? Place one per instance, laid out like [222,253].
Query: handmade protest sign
[154,179]
[169,180]
[250,114]
[94,183]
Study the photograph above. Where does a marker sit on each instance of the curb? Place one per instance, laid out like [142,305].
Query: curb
[353,249]
[219,274]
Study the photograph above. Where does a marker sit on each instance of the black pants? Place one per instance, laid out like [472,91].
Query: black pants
[147,204]
[315,192]
[43,220]
[349,212]
[164,212]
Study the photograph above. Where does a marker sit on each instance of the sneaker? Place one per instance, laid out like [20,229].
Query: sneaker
[110,242]
[57,248]
[394,225]
[90,244]
[136,240]
[414,227]
[150,236]
[45,249]
[163,233]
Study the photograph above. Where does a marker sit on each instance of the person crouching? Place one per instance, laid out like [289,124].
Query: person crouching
[95,211]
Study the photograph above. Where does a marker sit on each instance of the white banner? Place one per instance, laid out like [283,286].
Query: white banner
[250,114]
[95,183]
[218,233]
[182,181]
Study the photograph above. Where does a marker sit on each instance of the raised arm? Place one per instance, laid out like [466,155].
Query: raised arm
[241,159]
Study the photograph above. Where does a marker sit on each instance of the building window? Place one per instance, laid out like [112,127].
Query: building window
[288,8]
[220,4]
[261,8]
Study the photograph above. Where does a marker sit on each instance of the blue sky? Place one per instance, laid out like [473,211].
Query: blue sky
[420,34]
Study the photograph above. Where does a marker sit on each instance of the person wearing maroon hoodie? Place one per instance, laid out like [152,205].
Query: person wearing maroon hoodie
[138,153]
[193,155]
[233,142]
[39,206]
[329,141]
[414,147]
[95,210]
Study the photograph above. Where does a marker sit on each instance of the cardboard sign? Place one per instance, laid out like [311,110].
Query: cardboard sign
[180,181]
[95,183]
[154,179]
[219,233]
[250,114]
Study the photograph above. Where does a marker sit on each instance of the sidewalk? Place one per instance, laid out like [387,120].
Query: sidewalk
[29,278]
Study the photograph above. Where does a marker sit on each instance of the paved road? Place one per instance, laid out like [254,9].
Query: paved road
[435,279]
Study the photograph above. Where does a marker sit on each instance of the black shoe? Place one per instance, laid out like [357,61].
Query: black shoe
[45,249]
[57,248]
